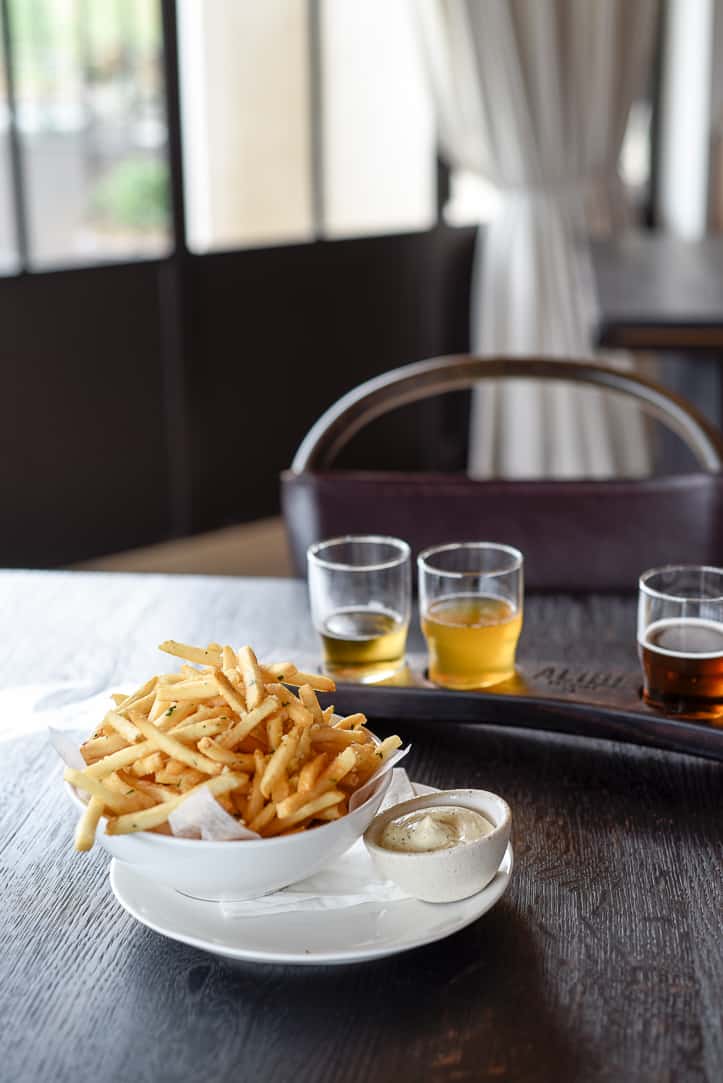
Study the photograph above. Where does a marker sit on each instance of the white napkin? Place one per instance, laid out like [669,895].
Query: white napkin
[349,881]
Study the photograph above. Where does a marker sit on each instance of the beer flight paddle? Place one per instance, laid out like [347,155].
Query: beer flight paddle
[553,695]
[471,613]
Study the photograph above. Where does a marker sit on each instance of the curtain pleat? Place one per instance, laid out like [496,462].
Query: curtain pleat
[534,95]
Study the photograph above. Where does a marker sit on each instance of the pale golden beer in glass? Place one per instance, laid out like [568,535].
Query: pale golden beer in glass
[472,640]
[471,612]
[360,588]
[363,642]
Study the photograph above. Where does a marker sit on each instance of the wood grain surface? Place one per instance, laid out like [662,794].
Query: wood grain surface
[603,962]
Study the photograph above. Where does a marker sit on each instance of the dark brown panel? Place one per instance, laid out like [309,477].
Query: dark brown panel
[280,334]
[84,469]
[660,293]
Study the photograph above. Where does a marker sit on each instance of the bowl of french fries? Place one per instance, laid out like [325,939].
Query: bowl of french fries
[228,778]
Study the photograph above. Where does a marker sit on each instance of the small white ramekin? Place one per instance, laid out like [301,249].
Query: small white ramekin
[453,873]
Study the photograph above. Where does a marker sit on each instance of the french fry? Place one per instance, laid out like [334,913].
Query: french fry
[176,714]
[297,712]
[158,814]
[264,818]
[122,726]
[334,813]
[310,772]
[256,799]
[95,748]
[248,722]
[297,800]
[351,722]
[148,765]
[282,693]
[141,693]
[232,695]
[343,763]
[153,790]
[204,656]
[278,671]
[189,778]
[196,730]
[186,714]
[275,730]
[280,790]
[160,708]
[307,695]
[87,824]
[304,750]
[388,745]
[253,680]
[336,737]
[116,802]
[116,761]
[203,688]
[178,751]
[139,710]
[316,680]
[238,800]
[127,787]
[318,804]
[174,768]
[239,761]
[279,763]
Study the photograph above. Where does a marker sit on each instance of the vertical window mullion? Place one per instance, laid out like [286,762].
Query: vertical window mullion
[16,154]
[173,122]
[316,121]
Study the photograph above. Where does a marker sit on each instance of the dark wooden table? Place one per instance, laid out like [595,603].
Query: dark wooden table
[603,962]
[659,293]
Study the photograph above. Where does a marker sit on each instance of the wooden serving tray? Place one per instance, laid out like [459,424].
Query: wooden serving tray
[546,695]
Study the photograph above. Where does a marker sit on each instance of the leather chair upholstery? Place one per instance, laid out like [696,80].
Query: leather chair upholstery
[576,535]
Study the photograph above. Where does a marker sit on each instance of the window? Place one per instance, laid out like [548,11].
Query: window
[89,114]
[8,240]
[303,118]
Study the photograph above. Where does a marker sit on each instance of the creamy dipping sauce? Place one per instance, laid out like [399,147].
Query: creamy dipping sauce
[436,828]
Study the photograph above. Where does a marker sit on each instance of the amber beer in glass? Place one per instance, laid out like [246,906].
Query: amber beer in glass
[470,597]
[360,592]
[680,640]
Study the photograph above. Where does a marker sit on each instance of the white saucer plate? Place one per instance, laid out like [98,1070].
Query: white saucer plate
[311,938]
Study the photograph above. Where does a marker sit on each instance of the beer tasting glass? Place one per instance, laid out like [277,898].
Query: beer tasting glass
[680,640]
[360,589]
[470,599]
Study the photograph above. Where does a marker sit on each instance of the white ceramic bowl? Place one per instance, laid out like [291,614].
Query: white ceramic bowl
[451,874]
[243,868]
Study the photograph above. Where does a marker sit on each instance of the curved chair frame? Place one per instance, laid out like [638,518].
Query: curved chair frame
[421,380]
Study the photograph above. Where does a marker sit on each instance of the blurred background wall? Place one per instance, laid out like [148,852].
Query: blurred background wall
[216,217]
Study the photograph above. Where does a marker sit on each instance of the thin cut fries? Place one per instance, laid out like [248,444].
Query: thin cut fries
[203,656]
[251,675]
[204,688]
[158,814]
[307,695]
[276,760]
[88,822]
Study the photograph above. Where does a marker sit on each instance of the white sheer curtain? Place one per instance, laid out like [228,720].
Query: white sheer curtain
[534,95]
